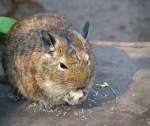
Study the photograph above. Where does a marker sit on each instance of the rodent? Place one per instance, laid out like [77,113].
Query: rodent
[48,61]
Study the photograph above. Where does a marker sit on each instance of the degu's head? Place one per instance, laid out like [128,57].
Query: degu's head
[71,59]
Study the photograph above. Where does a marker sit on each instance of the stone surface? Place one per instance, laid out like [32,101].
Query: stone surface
[24,8]
[126,69]
[111,20]
[2,74]
[114,20]
[5,6]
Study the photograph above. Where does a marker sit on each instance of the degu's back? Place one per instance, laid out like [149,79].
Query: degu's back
[48,61]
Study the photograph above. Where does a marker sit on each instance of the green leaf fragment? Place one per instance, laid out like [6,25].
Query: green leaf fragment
[6,24]
[103,84]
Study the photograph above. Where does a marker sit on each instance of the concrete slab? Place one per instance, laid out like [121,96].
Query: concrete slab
[126,69]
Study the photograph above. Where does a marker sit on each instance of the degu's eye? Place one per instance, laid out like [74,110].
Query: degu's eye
[62,66]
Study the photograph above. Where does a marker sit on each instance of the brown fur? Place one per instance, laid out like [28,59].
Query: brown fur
[37,76]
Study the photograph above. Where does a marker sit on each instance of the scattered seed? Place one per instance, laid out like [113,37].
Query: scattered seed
[97,92]
[65,113]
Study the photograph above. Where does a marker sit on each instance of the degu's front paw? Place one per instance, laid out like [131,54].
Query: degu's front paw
[75,97]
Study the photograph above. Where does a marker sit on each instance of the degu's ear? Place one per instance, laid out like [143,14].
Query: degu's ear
[48,41]
[85,29]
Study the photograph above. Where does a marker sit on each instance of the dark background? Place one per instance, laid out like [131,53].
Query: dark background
[114,20]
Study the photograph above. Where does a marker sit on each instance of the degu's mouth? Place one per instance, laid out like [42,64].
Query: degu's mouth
[75,97]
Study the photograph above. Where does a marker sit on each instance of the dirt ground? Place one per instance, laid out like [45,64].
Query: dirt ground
[126,69]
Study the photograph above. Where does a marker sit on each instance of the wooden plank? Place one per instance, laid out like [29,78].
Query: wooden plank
[121,44]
